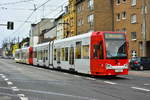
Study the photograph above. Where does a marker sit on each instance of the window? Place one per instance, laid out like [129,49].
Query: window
[85,51]
[96,48]
[101,50]
[124,1]
[79,8]
[91,4]
[55,53]
[80,22]
[46,53]
[124,30]
[91,19]
[118,16]
[78,50]
[124,15]
[66,54]
[98,51]
[133,2]
[118,2]
[62,54]
[133,35]
[133,19]
[58,55]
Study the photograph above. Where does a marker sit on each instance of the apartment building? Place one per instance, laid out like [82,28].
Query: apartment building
[132,17]
[94,15]
[70,19]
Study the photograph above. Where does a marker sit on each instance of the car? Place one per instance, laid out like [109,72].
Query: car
[140,63]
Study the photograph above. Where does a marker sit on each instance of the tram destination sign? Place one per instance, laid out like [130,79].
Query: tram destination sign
[114,36]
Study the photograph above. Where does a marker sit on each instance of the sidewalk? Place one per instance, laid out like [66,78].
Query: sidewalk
[145,73]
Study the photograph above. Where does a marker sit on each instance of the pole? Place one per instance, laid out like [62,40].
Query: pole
[144,27]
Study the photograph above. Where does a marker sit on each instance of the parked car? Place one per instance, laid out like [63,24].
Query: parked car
[140,63]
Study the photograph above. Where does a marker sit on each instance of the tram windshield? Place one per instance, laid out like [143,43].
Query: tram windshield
[115,46]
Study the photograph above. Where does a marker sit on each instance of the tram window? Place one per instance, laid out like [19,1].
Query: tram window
[55,53]
[62,54]
[96,48]
[66,54]
[46,54]
[101,50]
[85,50]
[35,54]
[58,55]
[78,50]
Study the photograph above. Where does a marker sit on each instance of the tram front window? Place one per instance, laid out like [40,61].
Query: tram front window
[115,46]
[116,49]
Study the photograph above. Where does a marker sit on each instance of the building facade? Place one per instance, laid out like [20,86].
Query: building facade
[59,22]
[70,19]
[38,30]
[132,17]
[94,15]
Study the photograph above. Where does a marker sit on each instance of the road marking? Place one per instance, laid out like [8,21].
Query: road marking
[1,74]
[76,76]
[146,84]
[21,95]
[110,82]
[65,73]
[24,98]
[9,83]
[15,89]
[90,78]
[143,89]
[6,79]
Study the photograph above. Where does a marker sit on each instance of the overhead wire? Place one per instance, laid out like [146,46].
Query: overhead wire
[29,17]
[12,3]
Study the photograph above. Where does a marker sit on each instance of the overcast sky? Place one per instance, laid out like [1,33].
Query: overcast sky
[18,11]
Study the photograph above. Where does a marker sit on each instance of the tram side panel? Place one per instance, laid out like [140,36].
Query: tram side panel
[60,54]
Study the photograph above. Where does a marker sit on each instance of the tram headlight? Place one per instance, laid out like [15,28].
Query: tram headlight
[126,66]
[108,66]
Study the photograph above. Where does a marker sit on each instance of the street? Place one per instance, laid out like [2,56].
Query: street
[26,82]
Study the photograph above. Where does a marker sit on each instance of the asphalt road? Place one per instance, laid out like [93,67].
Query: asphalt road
[25,82]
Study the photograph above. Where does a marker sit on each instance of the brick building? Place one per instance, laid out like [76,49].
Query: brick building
[130,17]
[94,15]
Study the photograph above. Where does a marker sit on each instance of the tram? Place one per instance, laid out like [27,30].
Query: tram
[94,53]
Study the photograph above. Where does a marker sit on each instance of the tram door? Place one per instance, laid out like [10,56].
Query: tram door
[71,57]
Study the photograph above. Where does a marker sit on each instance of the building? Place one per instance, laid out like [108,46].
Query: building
[50,34]
[94,15]
[38,30]
[132,17]
[59,22]
[70,19]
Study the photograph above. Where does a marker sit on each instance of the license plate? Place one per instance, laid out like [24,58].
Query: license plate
[118,70]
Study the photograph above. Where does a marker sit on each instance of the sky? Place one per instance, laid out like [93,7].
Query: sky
[18,11]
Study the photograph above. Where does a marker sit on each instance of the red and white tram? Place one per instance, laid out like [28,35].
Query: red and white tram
[94,53]
[24,55]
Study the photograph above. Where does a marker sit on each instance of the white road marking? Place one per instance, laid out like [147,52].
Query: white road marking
[110,82]
[3,76]
[76,76]
[6,79]
[24,98]
[21,95]
[90,78]
[15,89]
[65,73]
[9,83]
[143,89]
[146,84]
